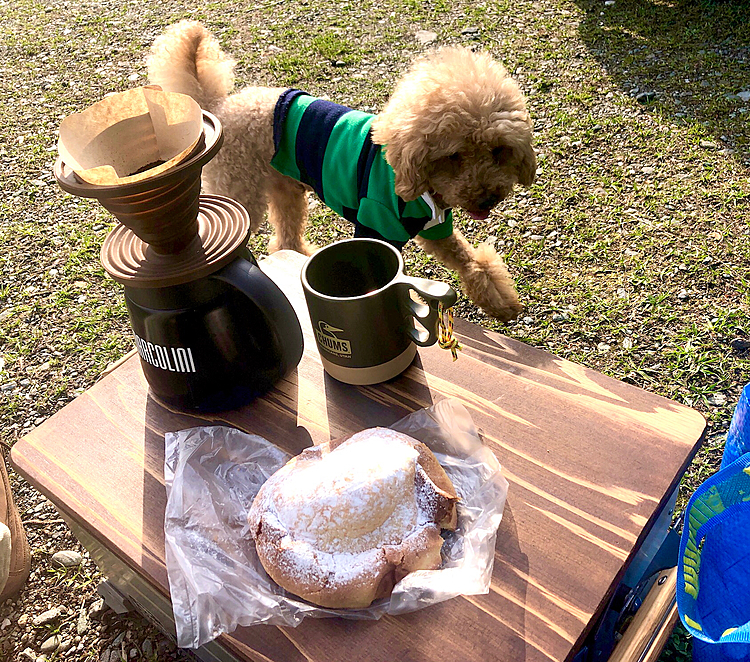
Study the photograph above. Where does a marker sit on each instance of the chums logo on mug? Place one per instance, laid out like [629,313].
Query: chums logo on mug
[366,319]
[325,334]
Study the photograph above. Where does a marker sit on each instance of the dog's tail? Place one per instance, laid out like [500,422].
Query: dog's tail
[186,58]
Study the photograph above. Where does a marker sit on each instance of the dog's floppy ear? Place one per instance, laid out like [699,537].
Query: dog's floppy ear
[409,165]
[405,151]
[527,167]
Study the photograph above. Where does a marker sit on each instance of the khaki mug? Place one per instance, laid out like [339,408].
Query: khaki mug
[365,317]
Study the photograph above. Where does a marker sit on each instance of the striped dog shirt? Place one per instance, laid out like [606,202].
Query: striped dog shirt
[329,147]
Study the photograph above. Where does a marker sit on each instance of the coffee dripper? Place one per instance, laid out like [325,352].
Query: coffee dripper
[212,330]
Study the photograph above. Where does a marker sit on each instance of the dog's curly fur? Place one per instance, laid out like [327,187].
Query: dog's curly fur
[455,126]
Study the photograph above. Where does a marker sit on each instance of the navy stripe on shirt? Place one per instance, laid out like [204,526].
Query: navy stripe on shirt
[367,156]
[312,139]
[280,112]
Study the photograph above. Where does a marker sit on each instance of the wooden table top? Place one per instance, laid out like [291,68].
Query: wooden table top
[590,461]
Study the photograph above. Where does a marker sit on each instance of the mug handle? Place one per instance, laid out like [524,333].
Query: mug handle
[433,292]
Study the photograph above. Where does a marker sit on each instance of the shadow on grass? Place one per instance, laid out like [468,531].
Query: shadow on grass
[687,59]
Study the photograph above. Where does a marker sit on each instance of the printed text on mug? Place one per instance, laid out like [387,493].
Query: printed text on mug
[327,339]
[173,359]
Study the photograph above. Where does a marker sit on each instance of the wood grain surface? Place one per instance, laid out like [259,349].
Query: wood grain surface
[590,461]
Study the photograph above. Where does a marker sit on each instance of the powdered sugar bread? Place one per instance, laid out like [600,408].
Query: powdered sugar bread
[342,522]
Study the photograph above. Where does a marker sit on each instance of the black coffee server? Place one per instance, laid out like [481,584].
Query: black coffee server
[212,330]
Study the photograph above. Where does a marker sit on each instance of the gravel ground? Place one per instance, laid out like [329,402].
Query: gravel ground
[630,251]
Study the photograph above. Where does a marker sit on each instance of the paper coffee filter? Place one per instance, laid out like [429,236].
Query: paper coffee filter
[113,139]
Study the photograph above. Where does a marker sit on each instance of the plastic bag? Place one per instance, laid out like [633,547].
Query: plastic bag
[216,580]
[713,580]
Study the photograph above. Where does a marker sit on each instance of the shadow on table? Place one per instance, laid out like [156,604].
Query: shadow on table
[354,408]
[513,582]
[260,417]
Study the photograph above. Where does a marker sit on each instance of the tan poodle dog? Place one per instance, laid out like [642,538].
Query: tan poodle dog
[455,133]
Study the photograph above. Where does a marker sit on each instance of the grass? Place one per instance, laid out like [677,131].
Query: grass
[630,251]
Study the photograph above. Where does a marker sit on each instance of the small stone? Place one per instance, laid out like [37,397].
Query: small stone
[512,223]
[559,317]
[65,646]
[708,144]
[66,559]
[134,77]
[744,95]
[536,237]
[647,170]
[96,608]
[22,620]
[46,617]
[147,648]
[133,653]
[627,343]
[683,295]
[82,625]
[716,399]
[425,37]
[118,639]
[603,347]
[51,645]
[6,623]
[41,658]
[646,97]
[28,654]
[740,344]
[8,386]
[470,31]
[609,3]
[339,63]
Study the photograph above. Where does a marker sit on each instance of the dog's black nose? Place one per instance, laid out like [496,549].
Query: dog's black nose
[488,202]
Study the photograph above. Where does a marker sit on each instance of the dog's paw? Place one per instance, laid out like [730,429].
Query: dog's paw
[488,284]
[300,246]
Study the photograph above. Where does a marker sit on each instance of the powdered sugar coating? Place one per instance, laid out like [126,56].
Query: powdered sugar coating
[330,525]
[355,498]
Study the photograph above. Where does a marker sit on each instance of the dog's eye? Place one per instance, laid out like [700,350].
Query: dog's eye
[501,154]
[455,157]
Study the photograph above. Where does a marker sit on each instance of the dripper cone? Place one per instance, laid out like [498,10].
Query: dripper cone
[130,136]
[160,205]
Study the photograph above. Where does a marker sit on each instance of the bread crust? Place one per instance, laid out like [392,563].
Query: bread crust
[319,552]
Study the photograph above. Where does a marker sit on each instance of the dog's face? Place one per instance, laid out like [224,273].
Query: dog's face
[477,176]
[457,126]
